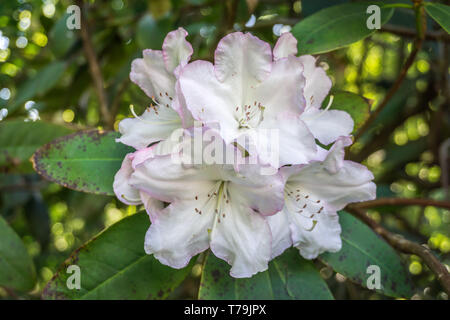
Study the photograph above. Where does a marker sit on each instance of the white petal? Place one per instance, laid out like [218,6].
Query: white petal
[164,179]
[179,105]
[314,227]
[336,181]
[263,193]
[209,100]
[318,84]
[296,143]
[242,57]
[123,190]
[150,74]
[176,50]
[281,233]
[153,207]
[242,238]
[150,127]
[282,90]
[327,125]
[285,46]
[179,232]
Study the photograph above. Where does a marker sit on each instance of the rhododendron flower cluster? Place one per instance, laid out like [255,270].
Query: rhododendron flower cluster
[245,215]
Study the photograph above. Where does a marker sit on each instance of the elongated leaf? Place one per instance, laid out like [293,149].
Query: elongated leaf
[84,161]
[355,105]
[39,84]
[289,277]
[16,267]
[440,13]
[361,248]
[114,265]
[335,27]
[19,139]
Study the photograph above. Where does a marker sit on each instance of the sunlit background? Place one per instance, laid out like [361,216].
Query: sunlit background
[44,76]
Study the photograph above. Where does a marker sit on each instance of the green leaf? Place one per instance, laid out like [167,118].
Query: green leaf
[16,267]
[357,106]
[84,161]
[61,37]
[114,265]
[19,140]
[440,13]
[335,27]
[39,84]
[290,277]
[361,247]
[150,32]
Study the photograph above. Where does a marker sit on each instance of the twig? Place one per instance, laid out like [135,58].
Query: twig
[409,61]
[402,202]
[411,33]
[94,67]
[115,104]
[407,246]
[11,293]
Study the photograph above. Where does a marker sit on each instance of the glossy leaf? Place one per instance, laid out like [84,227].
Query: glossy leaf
[290,277]
[19,140]
[84,161]
[16,267]
[361,248]
[335,27]
[114,265]
[440,13]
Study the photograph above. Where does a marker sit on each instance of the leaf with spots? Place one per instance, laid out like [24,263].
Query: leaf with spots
[16,266]
[114,265]
[84,161]
[336,27]
[290,277]
[361,248]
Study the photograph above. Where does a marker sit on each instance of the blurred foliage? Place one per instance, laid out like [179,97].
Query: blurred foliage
[44,77]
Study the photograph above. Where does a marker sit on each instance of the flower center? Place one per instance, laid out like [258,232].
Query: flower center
[303,204]
[249,116]
[218,199]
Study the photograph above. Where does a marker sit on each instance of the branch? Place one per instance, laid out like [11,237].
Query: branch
[412,56]
[115,105]
[411,33]
[94,67]
[407,246]
[402,202]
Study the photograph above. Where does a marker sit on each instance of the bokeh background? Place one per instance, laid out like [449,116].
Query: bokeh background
[45,77]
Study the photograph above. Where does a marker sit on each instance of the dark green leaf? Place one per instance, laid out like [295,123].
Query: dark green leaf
[19,139]
[84,161]
[39,84]
[440,13]
[114,265]
[16,267]
[150,32]
[289,277]
[61,37]
[361,247]
[335,27]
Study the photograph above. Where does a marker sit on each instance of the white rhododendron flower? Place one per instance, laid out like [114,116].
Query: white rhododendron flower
[244,214]
[313,194]
[325,125]
[247,93]
[217,206]
[156,74]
